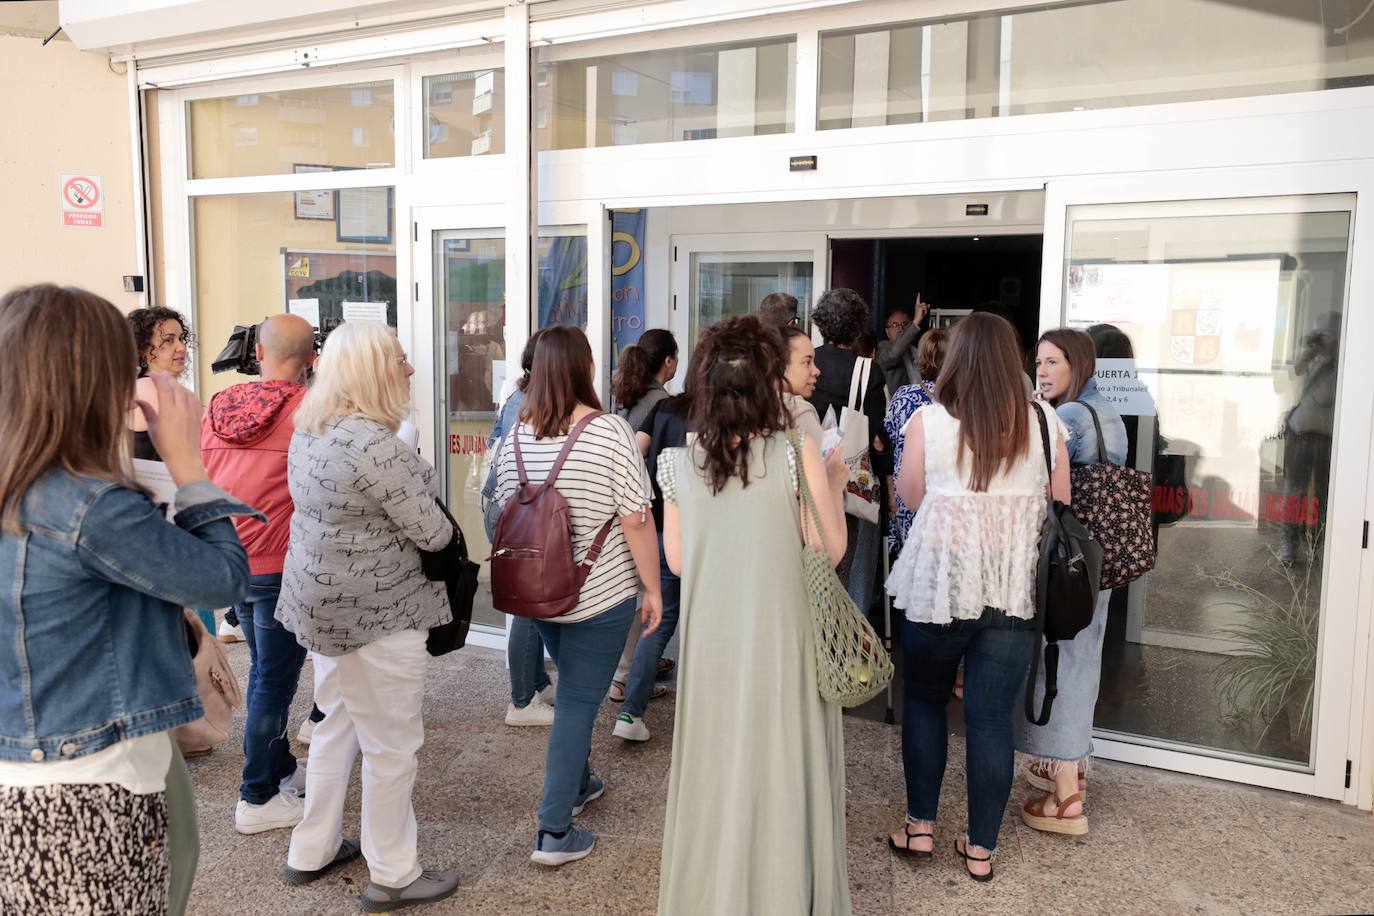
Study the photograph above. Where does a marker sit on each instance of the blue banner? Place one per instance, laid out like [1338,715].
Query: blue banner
[627,280]
[563,283]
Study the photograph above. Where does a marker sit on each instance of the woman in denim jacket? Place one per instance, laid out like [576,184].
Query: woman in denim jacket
[1064,370]
[94,665]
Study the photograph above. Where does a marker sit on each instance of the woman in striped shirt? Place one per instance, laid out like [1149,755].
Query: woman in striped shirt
[603,479]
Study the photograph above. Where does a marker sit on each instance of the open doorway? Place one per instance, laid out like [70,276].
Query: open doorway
[955,274]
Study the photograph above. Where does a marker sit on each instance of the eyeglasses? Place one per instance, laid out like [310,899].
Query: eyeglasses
[898,325]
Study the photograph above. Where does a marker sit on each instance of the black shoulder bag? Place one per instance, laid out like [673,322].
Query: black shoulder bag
[1066,583]
[459,575]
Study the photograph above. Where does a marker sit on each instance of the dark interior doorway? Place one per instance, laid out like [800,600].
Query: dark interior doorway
[992,272]
[999,273]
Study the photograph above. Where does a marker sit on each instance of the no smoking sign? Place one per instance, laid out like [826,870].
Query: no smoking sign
[83,200]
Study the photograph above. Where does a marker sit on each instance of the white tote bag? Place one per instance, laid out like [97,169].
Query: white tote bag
[861,497]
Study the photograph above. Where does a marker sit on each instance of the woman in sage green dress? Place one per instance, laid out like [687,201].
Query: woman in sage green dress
[755,819]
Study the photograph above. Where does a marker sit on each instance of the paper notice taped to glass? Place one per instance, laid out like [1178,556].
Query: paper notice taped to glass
[364,311]
[309,309]
[1125,386]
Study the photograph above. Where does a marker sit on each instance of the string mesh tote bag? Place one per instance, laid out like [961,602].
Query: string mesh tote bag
[1113,503]
[851,665]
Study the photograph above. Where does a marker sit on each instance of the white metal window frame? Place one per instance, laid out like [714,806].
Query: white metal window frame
[492,167]
[180,192]
[1348,582]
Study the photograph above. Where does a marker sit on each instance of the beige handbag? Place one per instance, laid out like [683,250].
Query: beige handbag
[218,689]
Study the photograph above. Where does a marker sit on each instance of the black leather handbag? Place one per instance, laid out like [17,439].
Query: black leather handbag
[459,575]
[1066,585]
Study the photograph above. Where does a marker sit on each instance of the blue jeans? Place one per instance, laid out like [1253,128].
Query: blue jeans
[275,660]
[525,657]
[586,654]
[995,650]
[524,649]
[644,671]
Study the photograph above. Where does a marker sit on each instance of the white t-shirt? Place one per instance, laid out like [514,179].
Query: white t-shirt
[604,478]
[137,764]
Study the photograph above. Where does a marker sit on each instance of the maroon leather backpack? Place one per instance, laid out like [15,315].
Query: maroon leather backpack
[533,573]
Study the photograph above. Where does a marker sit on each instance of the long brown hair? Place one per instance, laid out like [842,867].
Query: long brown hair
[67,369]
[1078,349]
[735,385]
[640,363]
[981,386]
[560,379]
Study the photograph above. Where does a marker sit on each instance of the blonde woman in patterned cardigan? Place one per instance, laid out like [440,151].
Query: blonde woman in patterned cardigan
[354,595]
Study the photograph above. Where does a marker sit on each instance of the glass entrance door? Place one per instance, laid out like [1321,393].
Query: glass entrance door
[717,276]
[1221,333]
[469,296]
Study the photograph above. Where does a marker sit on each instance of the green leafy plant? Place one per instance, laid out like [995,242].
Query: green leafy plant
[1270,680]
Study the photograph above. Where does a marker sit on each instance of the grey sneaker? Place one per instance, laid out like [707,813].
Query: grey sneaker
[349,850]
[555,850]
[429,887]
[596,787]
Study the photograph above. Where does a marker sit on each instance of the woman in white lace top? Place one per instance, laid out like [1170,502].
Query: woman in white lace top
[973,472]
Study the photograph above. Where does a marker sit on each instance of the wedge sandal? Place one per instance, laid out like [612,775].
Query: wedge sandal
[1038,776]
[1034,814]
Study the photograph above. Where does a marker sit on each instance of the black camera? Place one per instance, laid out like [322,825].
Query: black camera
[240,354]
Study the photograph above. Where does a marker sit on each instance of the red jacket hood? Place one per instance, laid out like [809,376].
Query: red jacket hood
[245,413]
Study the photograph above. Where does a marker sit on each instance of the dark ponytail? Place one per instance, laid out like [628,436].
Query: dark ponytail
[735,386]
[639,363]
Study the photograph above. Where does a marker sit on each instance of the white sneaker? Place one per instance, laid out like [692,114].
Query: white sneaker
[306,731]
[277,813]
[229,633]
[536,713]
[631,728]
[549,694]
[295,783]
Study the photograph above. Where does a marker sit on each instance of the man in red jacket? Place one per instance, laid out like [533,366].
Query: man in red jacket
[244,439]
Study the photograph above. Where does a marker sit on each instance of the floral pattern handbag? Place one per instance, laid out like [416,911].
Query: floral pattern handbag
[1113,503]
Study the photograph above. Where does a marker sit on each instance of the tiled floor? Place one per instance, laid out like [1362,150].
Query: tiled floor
[1160,843]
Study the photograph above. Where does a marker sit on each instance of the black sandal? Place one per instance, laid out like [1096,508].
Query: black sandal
[906,850]
[963,854]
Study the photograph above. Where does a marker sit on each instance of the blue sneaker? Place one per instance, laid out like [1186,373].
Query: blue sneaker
[596,787]
[571,846]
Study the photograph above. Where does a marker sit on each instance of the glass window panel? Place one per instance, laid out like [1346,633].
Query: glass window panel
[465,114]
[739,90]
[319,128]
[734,283]
[1234,326]
[260,254]
[471,278]
[1090,55]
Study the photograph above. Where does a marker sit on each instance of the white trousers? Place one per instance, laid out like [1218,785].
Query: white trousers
[371,700]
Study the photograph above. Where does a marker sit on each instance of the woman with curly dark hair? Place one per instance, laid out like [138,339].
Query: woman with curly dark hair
[163,342]
[755,820]
[645,368]
[841,315]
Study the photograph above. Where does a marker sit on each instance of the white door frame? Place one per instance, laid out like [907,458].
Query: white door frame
[1349,575]
[747,245]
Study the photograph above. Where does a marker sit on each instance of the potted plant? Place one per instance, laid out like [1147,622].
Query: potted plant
[1269,681]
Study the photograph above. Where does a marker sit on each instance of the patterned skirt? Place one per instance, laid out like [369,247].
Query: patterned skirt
[82,850]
